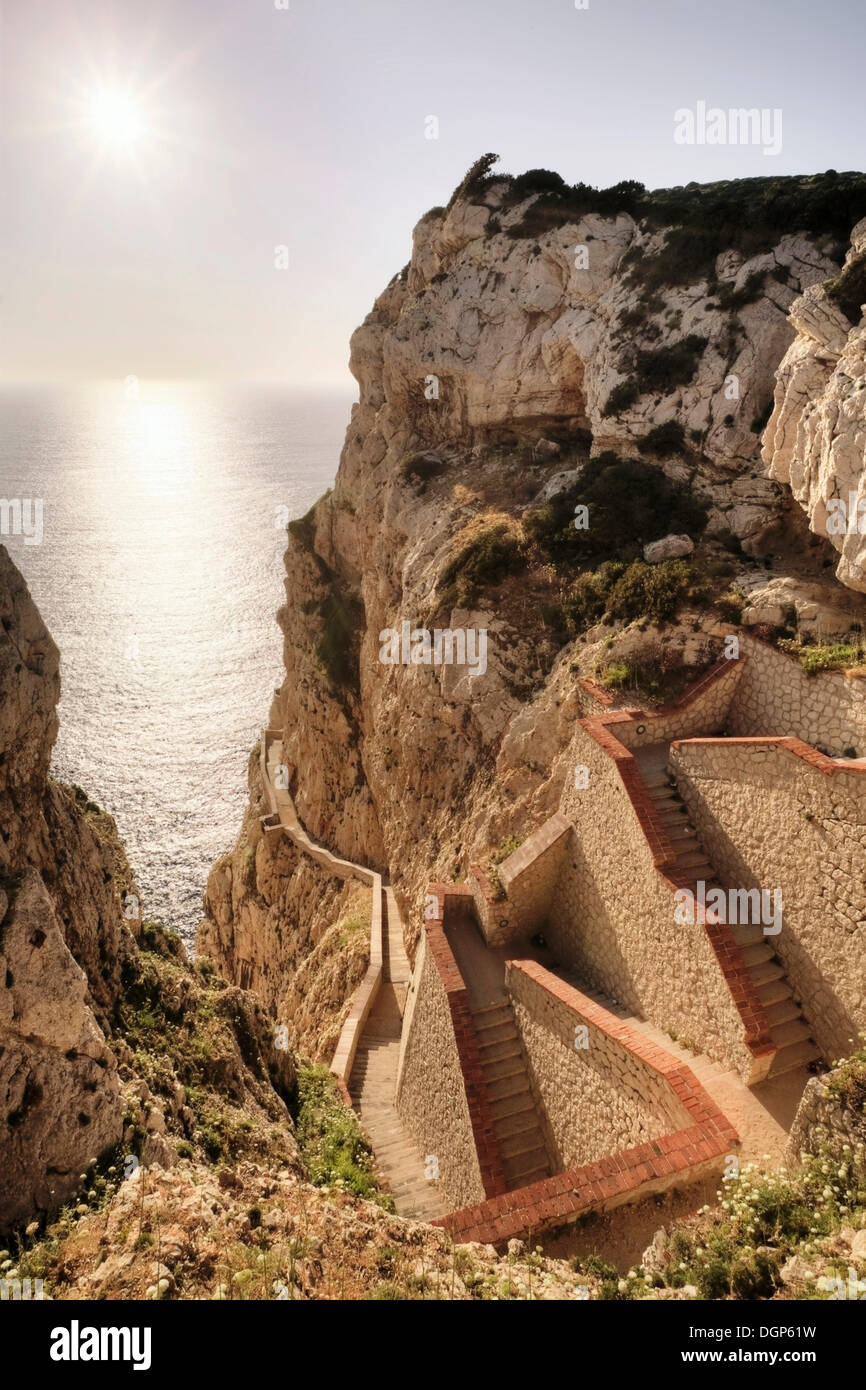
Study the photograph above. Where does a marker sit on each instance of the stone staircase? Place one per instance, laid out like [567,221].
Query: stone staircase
[788,1029]
[373,1081]
[518,1130]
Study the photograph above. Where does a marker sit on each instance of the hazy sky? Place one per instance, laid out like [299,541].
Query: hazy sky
[142,240]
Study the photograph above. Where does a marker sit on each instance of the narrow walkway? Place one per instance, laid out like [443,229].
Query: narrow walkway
[373,1082]
[788,1028]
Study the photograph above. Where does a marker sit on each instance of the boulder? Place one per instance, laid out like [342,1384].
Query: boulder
[668,548]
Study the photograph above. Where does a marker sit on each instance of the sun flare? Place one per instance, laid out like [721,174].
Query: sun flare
[116,118]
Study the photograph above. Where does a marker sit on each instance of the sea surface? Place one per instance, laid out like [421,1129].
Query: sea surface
[159,575]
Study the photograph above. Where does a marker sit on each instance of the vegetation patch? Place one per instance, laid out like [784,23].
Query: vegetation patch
[333,1148]
[661,370]
[664,440]
[848,289]
[629,503]
[338,647]
[834,656]
[481,564]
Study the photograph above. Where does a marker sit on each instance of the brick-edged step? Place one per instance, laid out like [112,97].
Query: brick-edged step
[512,1103]
[510,1083]
[508,1065]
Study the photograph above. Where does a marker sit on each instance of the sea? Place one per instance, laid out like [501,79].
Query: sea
[159,573]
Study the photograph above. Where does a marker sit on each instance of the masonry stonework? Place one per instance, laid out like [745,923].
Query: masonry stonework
[598,1099]
[431,1096]
[772,814]
[612,920]
[775,696]
[823,1124]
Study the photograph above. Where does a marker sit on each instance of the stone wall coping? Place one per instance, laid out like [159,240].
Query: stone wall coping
[283,816]
[790,744]
[686,1153]
[688,697]
[726,950]
[452,899]
[680,1078]
[537,844]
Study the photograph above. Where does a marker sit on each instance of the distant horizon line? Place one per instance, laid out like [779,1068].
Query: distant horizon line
[342,385]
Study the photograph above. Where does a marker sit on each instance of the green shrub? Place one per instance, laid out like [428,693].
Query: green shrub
[620,398]
[333,1149]
[303,529]
[661,370]
[848,289]
[421,468]
[629,503]
[655,591]
[664,439]
[835,656]
[482,563]
[342,617]
[475,179]
[730,606]
[752,289]
[615,676]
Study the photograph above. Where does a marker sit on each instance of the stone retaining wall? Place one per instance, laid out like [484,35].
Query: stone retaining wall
[612,916]
[823,1122]
[441,1096]
[597,1099]
[775,696]
[680,1156]
[773,813]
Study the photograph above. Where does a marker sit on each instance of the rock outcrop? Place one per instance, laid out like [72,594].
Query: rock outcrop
[107,1037]
[816,438]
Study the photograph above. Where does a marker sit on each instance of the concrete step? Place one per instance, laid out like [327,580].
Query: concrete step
[696,860]
[747,934]
[521,1103]
[492,1012]
[756,954]
[773,991]
[797,1054]
[794,1030]
[496,1032]
[501,1068]
[526,1159]
[499,1049]
[512,1084]
[782,1012]
[531,1175]
[522,1141]
[764,974]
[680,832]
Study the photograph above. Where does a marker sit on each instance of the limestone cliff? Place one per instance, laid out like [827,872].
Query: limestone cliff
[539,342]
[816,438]
[103,1027]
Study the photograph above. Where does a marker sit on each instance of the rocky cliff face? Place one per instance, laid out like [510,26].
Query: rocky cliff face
[816,438]
[515,346]
[62,935]
[83,1008]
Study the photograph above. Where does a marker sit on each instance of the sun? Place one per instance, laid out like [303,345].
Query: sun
[116,118]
